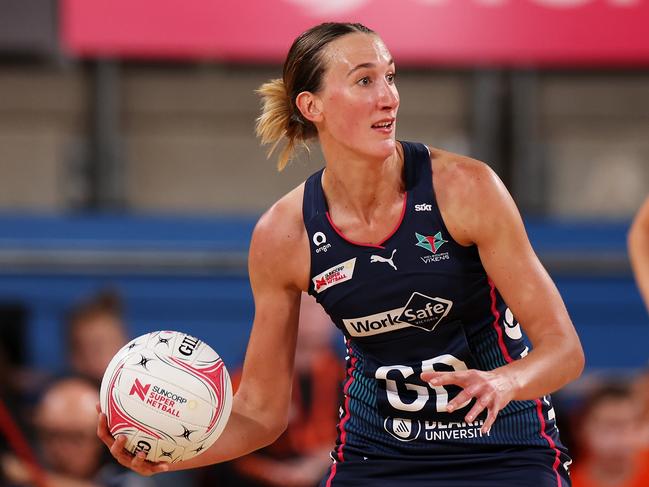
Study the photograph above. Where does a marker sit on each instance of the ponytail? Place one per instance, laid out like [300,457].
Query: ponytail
[278,121]
[303,70]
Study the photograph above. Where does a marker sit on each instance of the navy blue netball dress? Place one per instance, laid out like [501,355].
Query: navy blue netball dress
[420,301]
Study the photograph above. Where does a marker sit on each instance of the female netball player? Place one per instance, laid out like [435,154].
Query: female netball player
[420,257]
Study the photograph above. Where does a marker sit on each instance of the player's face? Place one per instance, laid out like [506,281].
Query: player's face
[359,96]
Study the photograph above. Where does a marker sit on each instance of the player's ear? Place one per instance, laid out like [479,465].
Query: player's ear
[310,106]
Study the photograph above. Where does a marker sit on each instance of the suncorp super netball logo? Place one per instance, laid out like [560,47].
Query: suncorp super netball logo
[334,275]
[139,389]
[159,398]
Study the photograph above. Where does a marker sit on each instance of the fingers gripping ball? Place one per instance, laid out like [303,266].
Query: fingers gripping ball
[169,394]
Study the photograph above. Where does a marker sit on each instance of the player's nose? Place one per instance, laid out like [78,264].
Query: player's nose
[388,97]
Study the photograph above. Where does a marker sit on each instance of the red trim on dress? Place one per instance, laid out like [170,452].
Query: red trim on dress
[496,323]
[546,437]
[331,475]
[508,358]
[376,246]
[343,433]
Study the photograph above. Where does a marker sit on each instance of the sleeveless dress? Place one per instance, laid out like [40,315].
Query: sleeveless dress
[420,301]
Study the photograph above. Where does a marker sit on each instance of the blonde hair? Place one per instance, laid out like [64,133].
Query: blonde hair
[303,71]
[277,122]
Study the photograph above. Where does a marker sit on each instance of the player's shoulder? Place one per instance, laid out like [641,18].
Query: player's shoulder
[468,193]
[283,221]
[461,174]
[641,220]
[279,242]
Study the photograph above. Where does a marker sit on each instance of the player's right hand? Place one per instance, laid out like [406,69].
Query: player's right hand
[137,463]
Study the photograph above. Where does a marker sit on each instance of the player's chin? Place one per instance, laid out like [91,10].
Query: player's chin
[384,147]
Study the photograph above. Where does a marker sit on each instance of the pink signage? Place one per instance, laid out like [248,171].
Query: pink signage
[441,32]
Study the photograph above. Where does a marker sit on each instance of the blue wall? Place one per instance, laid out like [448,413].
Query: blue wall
[216,304]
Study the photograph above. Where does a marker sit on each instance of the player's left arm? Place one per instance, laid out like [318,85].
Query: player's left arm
[477,208]
[638,242]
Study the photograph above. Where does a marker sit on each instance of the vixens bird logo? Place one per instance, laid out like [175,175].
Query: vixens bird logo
[432,244]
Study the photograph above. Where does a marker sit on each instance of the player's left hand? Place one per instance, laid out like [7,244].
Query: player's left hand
[137,463]
[491,389]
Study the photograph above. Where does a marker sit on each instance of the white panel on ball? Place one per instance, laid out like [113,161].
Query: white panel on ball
[169,393]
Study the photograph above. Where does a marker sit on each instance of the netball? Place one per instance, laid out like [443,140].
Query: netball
[169,393]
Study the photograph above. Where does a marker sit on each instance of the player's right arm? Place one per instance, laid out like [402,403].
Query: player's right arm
[639,250]
[278,273]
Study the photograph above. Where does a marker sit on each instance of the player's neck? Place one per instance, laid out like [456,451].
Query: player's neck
[360,185]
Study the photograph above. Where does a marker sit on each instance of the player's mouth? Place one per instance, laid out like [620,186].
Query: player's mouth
[384,126]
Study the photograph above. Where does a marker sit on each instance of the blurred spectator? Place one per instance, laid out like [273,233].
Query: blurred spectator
[300,457]
[9,393]
[11,408]
[19,390]
[609,440]
[641,390]
[639,250]
[96,332]
[66,423]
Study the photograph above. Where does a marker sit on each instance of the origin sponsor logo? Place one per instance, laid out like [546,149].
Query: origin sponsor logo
[320,241]
[421,311]
[424,207]
[324,248]
[334,275]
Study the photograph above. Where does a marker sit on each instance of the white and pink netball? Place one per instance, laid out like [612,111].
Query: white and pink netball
[170,395]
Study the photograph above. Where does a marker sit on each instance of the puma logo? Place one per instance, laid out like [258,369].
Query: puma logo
[378,258]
